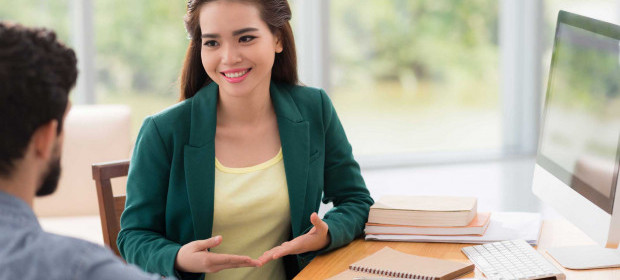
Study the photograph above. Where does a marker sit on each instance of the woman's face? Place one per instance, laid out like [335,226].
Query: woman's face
[238,49]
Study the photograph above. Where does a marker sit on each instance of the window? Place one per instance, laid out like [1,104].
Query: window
[422,77]
[416,76]
[140,47]
[46,13]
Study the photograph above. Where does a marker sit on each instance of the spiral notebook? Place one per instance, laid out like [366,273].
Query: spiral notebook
[392,263]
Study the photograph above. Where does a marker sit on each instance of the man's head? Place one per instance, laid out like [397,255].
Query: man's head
[36,74]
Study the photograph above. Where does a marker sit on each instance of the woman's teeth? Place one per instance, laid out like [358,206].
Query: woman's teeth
[236,74]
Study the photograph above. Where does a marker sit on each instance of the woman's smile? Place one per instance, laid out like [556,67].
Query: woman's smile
[236,75]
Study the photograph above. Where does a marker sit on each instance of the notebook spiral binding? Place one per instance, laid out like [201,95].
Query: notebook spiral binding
[390,273]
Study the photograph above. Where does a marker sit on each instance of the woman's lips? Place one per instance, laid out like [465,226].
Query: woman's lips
[236,75]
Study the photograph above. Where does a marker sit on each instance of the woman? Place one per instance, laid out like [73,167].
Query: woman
[233,174]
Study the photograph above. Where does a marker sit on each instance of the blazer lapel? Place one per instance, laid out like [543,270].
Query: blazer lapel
[199,160]
[294,136]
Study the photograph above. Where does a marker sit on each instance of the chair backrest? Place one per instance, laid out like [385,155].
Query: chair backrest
[110,206]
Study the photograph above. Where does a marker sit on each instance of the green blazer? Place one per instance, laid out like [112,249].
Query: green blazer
[170,187]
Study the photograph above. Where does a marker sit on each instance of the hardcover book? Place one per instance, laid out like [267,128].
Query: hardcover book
[477,227]
[427,211]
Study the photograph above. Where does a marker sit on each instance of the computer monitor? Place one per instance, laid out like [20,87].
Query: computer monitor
[578,155]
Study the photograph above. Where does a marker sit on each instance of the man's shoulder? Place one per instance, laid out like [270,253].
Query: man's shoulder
[42,255]
[80,248]
[94,261]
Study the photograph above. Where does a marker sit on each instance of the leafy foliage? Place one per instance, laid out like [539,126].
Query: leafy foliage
[420,40]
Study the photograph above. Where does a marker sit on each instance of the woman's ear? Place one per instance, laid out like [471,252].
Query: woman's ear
[278,42]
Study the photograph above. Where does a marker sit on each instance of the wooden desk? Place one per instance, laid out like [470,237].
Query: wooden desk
[554,233]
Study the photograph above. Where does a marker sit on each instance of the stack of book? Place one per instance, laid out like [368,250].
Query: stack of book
[426,215]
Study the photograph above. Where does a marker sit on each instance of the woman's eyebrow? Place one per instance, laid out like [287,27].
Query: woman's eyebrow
[244,30]
[234,33]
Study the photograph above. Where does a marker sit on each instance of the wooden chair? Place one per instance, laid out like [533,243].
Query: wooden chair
[110,206]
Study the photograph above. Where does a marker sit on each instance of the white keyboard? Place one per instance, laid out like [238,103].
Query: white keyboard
[513,259]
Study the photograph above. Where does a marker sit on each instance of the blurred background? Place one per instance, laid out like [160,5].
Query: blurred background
[437,97]
[414,82]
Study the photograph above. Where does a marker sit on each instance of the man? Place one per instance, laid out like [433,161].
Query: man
[36,74]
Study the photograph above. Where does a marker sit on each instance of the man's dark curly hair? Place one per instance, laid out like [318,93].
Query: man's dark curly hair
[36,74]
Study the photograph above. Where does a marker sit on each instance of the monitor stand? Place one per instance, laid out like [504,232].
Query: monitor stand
[585,257]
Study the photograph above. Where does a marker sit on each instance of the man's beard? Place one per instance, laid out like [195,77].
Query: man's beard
[50,180]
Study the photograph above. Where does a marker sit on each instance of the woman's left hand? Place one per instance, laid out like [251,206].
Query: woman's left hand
[317,238]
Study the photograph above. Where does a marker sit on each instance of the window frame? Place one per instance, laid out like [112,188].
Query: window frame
[83,37]
[520,27]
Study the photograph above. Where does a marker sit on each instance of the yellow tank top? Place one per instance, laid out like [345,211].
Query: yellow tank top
[252,214]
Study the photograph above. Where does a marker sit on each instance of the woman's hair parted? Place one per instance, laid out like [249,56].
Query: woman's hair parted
[275,13]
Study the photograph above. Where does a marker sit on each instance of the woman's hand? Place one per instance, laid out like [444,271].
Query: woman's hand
[317,238]
[194,257]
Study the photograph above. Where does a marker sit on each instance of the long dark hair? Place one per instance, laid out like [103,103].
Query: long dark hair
[276,13]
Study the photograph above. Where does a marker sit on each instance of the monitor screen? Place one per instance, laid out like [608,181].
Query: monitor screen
[581,130]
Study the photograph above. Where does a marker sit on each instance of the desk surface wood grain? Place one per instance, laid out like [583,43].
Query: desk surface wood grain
[554,233]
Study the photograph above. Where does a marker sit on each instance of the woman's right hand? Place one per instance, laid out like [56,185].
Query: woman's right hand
[194,257]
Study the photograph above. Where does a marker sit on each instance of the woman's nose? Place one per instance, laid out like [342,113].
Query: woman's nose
[231,55]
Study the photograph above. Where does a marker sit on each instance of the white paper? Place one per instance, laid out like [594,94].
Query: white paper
[503,226]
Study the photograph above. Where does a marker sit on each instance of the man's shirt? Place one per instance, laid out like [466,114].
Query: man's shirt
[27,252]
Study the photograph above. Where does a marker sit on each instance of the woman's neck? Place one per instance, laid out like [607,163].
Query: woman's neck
[244,110]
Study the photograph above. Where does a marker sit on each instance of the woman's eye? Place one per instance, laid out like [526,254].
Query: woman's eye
[211,43]
[245,39]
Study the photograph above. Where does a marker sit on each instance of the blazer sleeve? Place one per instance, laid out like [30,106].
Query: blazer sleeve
[141,240]
[343,183]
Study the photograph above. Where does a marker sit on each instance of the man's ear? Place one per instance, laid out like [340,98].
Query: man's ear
[44,138]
